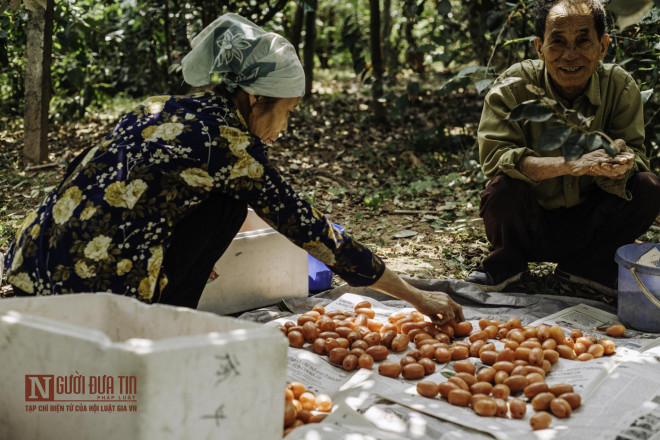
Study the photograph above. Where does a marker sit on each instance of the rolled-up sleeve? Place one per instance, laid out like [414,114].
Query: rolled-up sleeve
[501,144]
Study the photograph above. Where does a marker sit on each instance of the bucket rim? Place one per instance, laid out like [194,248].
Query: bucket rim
[641,268]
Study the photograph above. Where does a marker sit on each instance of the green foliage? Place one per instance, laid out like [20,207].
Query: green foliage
[8,227]
[554,138]
[102,49]
[12,62]
[573,136]
[637,49]
[332,19]
[134,48]
[374,199]
[532,111]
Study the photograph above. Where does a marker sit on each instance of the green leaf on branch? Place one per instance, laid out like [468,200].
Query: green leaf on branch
[453,84]
[553,138]
[573,148]
[646,94]
[593,142]
[585,121]
[548,102]
[470,70]
[482,85]
[653,16]
[516,113]
[506,81]
[531,111]
[535,89]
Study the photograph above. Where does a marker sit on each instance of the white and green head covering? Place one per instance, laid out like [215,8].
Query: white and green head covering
[244,55]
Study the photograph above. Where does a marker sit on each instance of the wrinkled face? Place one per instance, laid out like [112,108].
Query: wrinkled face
[269,117]
[571,48]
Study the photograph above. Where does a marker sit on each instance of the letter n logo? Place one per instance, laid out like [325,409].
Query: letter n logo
[39,387]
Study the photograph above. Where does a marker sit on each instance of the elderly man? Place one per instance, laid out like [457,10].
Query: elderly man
[540,207]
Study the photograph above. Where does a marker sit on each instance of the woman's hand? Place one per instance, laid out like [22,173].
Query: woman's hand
[436,305]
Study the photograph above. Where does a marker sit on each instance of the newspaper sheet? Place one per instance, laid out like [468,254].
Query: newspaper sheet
[620,393]
[594,321]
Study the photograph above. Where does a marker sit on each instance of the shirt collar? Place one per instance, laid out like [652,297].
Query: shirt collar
[591,92]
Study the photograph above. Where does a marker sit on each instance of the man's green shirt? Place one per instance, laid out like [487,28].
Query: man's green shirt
[611,97]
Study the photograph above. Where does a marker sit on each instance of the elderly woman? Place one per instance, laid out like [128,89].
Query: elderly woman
[148,211]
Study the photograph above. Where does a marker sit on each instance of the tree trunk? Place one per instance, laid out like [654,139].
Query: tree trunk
[324,50]
[296,31]
[414,58]
[376,60]
[308,51]
[477,26]
[37,83]
[389,57]
[523,31]
[166,31]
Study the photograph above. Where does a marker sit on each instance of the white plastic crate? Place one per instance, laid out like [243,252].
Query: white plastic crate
[176,373]
[259,268]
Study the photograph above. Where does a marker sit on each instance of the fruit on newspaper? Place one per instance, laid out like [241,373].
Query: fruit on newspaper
[513,376]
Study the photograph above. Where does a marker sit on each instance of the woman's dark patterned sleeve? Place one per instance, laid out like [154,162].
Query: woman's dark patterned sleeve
[274,200]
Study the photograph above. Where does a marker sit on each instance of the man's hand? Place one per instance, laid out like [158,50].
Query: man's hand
[599,163]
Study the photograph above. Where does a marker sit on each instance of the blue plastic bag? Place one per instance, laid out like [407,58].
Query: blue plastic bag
[319,275]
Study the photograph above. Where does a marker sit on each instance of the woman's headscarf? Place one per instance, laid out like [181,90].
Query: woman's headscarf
[244,55]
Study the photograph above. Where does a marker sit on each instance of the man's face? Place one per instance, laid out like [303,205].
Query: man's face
[571,48]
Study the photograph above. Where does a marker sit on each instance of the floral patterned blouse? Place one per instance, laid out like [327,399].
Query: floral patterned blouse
[109,223]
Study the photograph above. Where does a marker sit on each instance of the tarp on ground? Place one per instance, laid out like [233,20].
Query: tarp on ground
[475,302]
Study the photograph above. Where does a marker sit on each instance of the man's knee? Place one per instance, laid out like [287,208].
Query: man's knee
[645,187]
[505,194]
